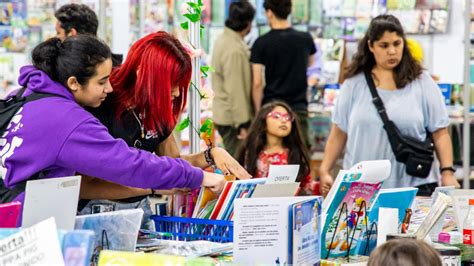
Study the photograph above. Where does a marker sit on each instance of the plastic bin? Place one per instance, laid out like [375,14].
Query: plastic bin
[188,229]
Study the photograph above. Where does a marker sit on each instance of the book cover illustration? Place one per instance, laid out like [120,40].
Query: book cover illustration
[305,244]
[342,231]
[398,198]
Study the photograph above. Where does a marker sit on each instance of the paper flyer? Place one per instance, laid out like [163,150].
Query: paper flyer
[36,245]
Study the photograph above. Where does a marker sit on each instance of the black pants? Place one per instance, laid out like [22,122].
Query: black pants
[303,121]
[426,190]
[229,137]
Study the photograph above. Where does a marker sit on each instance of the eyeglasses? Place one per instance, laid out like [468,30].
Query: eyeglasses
[282,117]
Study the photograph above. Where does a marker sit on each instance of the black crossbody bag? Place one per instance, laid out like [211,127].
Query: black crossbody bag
[417,155]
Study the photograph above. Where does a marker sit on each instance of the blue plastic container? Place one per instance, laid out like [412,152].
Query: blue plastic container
[188,229]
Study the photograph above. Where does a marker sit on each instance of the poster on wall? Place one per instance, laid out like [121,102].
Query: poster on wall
[439,21]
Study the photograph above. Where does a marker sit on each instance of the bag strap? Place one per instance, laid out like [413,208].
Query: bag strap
[9,194]
[376,98]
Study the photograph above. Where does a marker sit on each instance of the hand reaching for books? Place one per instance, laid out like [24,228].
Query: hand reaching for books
[326,182]
[214,182]
[228,165]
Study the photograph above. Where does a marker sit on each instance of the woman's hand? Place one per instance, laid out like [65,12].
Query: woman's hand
[227,164]
[214,182]
[448,179]
[326,181]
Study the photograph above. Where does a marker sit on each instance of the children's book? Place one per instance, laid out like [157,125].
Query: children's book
[354,188]
[305,242]
[366,172]
[229,185]
[228,205]
[343,225]
[179,204]
[398,198]
[206,195]
[205,212]
[263,230]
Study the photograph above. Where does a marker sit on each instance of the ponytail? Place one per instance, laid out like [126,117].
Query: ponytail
[45,56]
[77,56]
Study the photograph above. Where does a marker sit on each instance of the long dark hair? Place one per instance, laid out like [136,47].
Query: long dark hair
[257,139]
[407,70]
[77,56]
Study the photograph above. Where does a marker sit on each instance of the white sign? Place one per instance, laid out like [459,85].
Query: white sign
[282,173]
[261,230]
[52,197]
[36,245]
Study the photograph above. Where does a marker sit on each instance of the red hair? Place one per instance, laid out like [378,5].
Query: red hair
[162,63]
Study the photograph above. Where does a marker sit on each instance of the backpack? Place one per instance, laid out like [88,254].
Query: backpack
[8,108]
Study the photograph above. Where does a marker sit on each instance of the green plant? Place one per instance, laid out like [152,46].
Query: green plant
[193,14]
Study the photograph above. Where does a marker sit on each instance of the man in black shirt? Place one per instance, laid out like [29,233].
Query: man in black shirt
[284,54]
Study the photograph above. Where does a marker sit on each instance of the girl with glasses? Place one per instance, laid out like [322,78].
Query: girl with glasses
[275,138]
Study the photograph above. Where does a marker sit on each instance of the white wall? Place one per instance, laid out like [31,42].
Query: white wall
[120,26]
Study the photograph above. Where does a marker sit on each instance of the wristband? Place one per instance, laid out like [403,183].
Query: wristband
[209,158]
[448,168]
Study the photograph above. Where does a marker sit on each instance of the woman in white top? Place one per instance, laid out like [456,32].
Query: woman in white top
[412,101]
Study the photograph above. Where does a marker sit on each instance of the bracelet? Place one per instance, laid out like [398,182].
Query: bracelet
[448,168]
[209,158]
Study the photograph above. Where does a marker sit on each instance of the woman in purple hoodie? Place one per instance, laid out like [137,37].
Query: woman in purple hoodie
[56,136]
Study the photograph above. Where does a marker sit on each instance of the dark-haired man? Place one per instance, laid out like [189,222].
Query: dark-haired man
[73,19]
[231,82]
[284,54]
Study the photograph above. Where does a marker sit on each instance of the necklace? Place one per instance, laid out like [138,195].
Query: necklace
[139,120]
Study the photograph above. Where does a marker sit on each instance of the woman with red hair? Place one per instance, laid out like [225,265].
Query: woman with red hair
[150,92]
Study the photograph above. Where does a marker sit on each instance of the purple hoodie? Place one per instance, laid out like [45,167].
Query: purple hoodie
[58,135]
